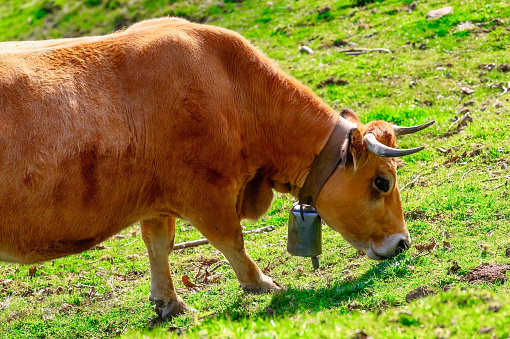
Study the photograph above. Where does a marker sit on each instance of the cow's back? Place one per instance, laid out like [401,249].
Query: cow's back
[97,133]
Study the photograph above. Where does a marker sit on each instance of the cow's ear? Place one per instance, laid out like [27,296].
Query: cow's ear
[356,151]
[348,114]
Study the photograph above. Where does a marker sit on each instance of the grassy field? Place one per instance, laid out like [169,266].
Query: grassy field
[454,193]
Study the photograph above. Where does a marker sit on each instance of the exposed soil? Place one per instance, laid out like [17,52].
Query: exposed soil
[332,81]
[488,273]
[418,293]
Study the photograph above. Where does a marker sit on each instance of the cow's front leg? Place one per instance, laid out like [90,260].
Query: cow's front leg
[158,235]
[227,236]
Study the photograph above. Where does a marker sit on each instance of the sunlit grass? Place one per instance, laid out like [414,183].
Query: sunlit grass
[455,190]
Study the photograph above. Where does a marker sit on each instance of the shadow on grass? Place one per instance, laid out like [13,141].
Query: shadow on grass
[336,294]
[298,300]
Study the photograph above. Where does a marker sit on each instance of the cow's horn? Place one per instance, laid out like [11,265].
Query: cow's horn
[399,130]
[382,150]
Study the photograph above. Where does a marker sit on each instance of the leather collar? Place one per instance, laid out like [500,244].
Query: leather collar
[333,155]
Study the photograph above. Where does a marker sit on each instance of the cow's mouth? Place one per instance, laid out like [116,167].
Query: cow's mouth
[372,254]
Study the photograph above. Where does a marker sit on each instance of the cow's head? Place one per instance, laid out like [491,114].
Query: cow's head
[361,200]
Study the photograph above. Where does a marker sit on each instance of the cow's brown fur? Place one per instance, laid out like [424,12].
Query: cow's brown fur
[165,120]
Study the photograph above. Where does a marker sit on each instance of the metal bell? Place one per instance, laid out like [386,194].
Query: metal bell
[305,233]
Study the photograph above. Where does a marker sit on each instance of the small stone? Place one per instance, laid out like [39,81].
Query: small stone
[413,5]
[439,332]
[466,26]
[423,47]
[374,11]
[469,103]
[306,49]
[436,14]
[508,252]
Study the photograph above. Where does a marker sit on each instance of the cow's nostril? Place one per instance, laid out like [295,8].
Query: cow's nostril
[402,246]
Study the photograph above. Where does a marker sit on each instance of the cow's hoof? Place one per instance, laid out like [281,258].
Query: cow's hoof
[264,286]
[171,308]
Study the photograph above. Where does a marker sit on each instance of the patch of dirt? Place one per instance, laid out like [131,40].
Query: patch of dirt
[504,67]
[353,305]
[419,293]
[383,304]
[415,214]
[487,66]
[32,270]
[177,330]
[485,330]
[447,287]
[361,335]
[454,268]
[488,273]
[324,10]
[426,246]
[332,81]
[494,307]
[270,311]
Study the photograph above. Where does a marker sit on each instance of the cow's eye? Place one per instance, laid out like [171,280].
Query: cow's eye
[382,184]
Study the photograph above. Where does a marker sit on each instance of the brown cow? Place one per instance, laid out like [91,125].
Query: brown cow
[171,119]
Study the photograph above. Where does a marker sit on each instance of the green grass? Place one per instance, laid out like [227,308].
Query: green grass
[460,197]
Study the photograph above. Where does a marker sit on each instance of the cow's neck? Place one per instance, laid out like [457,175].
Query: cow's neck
[296,125]
[291,123]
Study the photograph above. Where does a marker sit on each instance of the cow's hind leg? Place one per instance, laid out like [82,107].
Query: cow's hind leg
[158,235]
[226,235]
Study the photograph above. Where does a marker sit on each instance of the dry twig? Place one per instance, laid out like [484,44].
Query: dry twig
[358,51]
[410,183]
[459,120]
[465,173]
[497,178]
[205,241]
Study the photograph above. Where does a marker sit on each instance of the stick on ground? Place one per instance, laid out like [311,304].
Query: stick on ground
[410,183]
[358,51]
[205,241]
